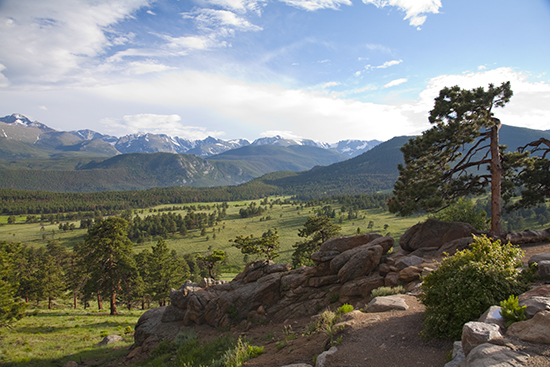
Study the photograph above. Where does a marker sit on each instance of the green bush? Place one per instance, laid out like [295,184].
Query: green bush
[345,308]
[468,283]
[511,311]
[463,211]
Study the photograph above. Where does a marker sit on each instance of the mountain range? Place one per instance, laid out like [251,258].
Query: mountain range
[303,170]
[17,127]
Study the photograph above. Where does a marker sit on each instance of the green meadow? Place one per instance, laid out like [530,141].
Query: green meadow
[51,338]
[287,218]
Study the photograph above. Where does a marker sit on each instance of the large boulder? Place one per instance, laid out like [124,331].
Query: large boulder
[488,354]
[387,303]
[341,244]
[361,263]
[475,333]
[434,233]
[535,330]
[385,243]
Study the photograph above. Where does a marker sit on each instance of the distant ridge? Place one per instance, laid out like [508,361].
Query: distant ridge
[20,128]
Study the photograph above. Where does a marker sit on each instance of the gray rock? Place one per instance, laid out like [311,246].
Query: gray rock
[297,365]
[388,303]
[490,355]
[110,339]
[475,333]
[544,269]
[535,330]
[493,316]
[407,261]
[71,364]
[535,304]
[544,256]
[458,355]
[322,358]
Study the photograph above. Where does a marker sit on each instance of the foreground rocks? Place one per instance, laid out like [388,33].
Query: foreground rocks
[346,270]
[488,342]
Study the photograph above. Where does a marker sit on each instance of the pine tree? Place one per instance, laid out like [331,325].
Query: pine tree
[165,271]
[446,162]
[316,230]
[107,253]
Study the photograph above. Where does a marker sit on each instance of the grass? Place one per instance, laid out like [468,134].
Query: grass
[51,338]
[287,218]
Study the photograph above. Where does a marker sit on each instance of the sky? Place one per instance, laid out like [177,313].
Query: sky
[326,70]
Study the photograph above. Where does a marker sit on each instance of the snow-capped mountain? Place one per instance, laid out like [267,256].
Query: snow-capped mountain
[17,124]
[284,142]
[354,148]
[18,119]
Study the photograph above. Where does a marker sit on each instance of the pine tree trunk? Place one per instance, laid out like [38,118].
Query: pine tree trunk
[113,304]
[49,303]
[75,301]
[496,183]
[99,303]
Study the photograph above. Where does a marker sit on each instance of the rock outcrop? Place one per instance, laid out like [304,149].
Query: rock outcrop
[346,269]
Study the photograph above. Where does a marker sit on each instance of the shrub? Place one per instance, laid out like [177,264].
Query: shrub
[463,211]
[387,291]
[468,283]
[242,352]
[345,308]
[512,311]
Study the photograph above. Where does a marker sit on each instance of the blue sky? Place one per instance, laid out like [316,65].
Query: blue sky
[327,70]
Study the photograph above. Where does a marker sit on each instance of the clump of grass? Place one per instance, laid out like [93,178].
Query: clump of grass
[326,323]
[236,356]
[387,291]
[345,308]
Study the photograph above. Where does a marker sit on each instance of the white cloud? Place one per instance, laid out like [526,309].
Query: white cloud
[150,12]
[43,108]
[528,107]
[145,67]
[193,42]
[385,65]
[4,82]
[330,84]
[60,37]
[395,82]
[258,108]
[158,124]
[213,20]
[312,5]
[240,6]
[282,134]
[414,9]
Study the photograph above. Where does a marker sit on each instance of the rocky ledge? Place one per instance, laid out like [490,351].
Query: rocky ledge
[346,269]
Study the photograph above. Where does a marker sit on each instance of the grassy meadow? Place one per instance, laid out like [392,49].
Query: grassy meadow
[287,218]
[51,338]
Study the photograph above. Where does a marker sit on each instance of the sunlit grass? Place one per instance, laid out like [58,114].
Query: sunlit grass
[48,338]
[288,219]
